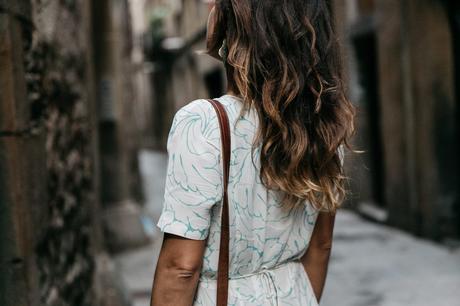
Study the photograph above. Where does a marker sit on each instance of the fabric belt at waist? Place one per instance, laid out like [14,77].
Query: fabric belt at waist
[267,278]
[260,272]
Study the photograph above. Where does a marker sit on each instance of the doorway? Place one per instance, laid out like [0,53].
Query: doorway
[365,48]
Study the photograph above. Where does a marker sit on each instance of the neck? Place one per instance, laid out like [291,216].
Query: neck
[232,93]
[232,89]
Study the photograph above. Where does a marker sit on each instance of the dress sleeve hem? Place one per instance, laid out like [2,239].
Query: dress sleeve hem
[178,230]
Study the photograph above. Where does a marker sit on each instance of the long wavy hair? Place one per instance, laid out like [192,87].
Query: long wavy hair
[284,60]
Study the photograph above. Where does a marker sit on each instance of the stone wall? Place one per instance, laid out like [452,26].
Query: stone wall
[47,152]
[22,163]
[57,72]
[402,78]
[54,105]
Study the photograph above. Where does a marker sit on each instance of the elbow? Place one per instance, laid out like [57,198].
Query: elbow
[181,269]
[179,261]
[185,271]
[325,247]
[321,246]
[173,282]
[318,253]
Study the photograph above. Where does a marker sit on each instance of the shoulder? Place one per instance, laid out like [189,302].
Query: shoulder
[196,112]
[195,122]
[200,108]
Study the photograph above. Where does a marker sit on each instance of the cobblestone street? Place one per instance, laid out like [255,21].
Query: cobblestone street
[371,265]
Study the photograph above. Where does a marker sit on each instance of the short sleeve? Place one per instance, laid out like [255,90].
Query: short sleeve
[194,173]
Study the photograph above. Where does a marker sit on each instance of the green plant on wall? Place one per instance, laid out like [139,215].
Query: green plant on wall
[157,26]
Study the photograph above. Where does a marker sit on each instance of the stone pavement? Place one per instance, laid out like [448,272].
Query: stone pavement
[371,264]
[375,265]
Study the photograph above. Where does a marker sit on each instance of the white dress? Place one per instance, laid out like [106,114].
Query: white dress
[266,240]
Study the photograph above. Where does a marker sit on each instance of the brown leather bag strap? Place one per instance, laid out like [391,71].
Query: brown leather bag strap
[222,269]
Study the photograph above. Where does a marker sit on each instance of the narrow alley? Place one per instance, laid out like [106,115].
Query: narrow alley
[88,93]
[371,264]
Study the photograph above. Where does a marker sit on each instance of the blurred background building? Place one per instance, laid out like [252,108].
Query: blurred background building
[70,97]
[174,38]
[402,63]
[88,90]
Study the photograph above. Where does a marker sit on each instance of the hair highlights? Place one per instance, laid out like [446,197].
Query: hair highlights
[283,57]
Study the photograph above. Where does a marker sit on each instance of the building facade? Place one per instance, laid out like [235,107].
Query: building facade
[66,149]
[176,33]
[401,59]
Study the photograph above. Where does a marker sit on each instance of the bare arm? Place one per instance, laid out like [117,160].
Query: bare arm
[316,259]
[178,271]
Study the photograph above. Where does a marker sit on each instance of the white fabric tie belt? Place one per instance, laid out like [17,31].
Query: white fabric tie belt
[267,276]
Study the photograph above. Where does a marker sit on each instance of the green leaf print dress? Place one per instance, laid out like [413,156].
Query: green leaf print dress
[266,239]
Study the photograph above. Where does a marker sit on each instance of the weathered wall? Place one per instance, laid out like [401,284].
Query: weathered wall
[453,11]
[47,155]
[434,112]
[53,107]
[57,72]
[397,132]
[418,95]
[416,112]
[22,163]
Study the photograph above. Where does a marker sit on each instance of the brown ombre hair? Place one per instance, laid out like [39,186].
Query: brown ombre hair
[283,59]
